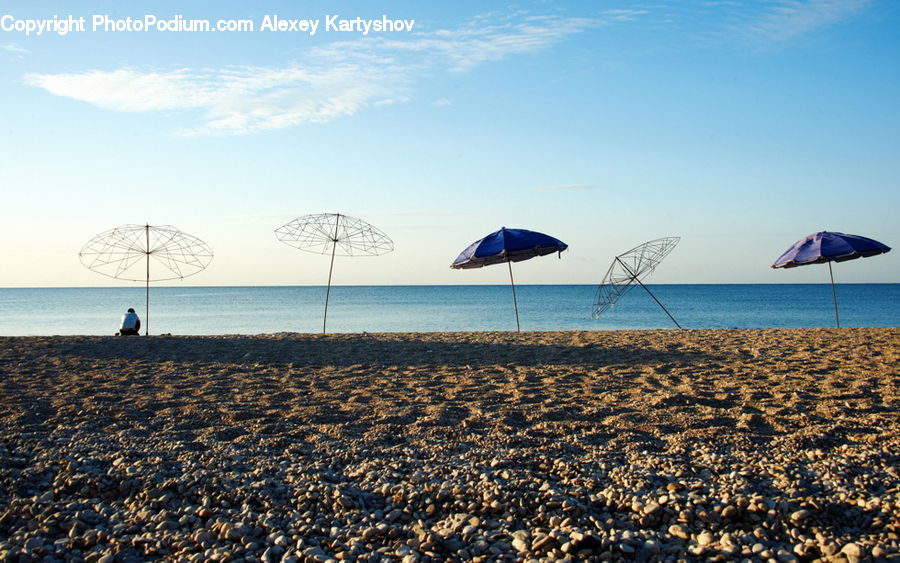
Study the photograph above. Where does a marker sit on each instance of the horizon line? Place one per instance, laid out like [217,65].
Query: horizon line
[427,285]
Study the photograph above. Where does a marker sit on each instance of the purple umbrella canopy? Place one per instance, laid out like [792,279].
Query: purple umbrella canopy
[508,245]
[826,246]
[829,247]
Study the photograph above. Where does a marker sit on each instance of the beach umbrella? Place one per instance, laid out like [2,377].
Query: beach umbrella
[626,272]
[127,253]
[829,247]
[508,245]
[334,233]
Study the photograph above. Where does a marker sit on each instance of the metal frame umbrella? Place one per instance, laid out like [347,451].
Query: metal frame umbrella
[119,253]
[334,233]
[508,245]
[628,268]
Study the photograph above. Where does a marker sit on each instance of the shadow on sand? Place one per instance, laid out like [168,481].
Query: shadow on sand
[407,350]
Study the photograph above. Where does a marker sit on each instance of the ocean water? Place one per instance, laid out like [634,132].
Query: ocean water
[256,310]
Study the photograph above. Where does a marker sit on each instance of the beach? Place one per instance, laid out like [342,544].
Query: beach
[775,444]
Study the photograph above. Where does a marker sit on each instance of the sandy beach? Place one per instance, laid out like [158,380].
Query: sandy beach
[649,445]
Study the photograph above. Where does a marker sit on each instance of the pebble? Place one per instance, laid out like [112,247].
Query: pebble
[730,512]
[852,550]
[704,538]
[679,531]
[727,540]
[799,516]
[34,543]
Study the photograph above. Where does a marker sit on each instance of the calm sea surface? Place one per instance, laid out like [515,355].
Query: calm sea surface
[254,310]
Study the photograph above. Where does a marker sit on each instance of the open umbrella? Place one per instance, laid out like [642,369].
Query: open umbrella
[334,233]
[508,245]
[829,247]
[626,271]
[127,252]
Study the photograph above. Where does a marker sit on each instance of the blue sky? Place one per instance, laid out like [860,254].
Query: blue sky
[739,126]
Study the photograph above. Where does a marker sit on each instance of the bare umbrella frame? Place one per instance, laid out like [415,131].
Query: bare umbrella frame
[626,272]
[335,234]
[127,251]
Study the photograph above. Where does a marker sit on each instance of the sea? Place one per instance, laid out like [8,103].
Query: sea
[357,309]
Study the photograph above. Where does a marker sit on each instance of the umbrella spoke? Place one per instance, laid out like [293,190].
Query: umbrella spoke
[322,233]
[122,252]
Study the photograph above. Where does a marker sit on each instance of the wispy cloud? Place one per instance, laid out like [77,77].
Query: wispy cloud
[441,213]
[483,41]
[396,214]
[785,20]
[268,217]
[624,14]
[568,187]
[15,48]
[338,80]
[234,100]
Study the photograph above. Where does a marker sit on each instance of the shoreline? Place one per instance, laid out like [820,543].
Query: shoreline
[704,443]
[407,334]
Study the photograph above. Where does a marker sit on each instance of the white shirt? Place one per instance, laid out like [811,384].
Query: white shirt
[129,320]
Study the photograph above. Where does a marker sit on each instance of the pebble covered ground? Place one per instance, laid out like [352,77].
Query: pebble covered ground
[758,445]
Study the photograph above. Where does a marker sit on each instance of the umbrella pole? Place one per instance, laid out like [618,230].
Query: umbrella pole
[337,224]
[660,304]
[328,290]
[837,319]
[513,284]
[634,277]
[147,300]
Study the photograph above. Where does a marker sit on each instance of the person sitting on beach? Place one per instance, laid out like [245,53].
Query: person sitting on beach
[131,324]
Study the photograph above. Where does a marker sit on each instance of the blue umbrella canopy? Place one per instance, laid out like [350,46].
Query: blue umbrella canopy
[829,247]
[507,245]
[826,246]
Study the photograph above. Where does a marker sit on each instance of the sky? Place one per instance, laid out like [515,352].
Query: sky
[739,126]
